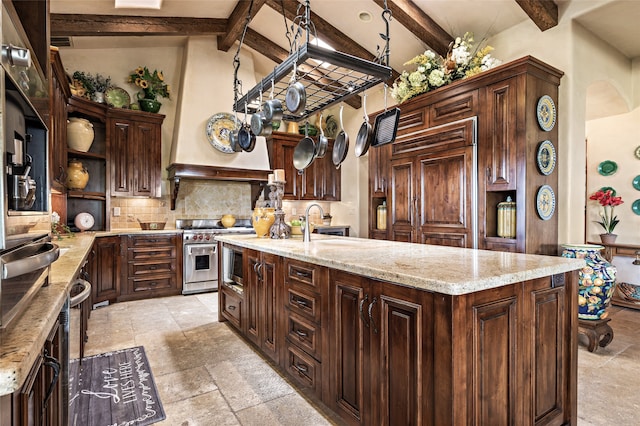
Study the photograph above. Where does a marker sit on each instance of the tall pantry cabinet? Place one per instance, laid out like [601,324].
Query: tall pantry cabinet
[463,149]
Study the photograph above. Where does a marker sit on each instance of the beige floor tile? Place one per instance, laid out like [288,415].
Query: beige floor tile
[208,409]
[184,384]
[289,410]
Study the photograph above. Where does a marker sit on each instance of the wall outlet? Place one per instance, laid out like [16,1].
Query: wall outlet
[116,211]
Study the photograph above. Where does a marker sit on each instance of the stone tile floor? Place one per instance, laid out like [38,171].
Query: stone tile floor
[207,375]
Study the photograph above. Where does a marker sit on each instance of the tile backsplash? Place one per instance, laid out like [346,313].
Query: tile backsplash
[196,199]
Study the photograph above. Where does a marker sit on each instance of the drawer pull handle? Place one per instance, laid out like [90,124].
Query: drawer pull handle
[303,274]
[373,323]
[153,283]
[153,267]
[361,309]
[231,308]
[301,302]
[301,333]
[301,368]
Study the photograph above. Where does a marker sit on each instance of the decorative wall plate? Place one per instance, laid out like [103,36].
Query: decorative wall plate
[546,111]
[545,202]
[607,168]
[117,97]
[609,188]
[218,130]
[636,182]
[546,157]
[84,221]
[636,207]
[637,152]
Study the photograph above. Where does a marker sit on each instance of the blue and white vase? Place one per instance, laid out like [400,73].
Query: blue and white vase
[596,281]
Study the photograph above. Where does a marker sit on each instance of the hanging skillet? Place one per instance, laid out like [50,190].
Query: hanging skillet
[363,140]
[246,139]
[296,97]
[385,127]
[304,153]
[323,142]
[341,145]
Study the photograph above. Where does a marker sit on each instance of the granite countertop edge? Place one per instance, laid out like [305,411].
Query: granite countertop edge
[448,270]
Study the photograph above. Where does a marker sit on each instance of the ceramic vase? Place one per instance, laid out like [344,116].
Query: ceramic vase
[262,219]
[77,175]
[228,220]
[98,97]
[608,238]
[596,280]
[79,134]
[149,105]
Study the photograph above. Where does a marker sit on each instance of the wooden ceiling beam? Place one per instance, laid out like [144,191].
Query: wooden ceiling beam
[420,24]
[329,34]
[544,13]
[236,23]
[120,25]
[277,54]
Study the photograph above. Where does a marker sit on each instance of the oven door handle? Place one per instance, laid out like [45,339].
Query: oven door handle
[28,259]
[201,249]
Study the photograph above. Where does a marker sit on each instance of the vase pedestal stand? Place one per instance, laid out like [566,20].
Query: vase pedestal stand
[599,332]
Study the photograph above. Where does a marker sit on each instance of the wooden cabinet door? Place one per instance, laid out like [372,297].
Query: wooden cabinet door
[397,322]
[146,164]
[403,200]
[251,259]
[500,135]
[58,123]
[332,177]
[311,180]
[283,148]
[379,170]
[445,214]
[106,270]
[349,380]
[270,277]
[121,139]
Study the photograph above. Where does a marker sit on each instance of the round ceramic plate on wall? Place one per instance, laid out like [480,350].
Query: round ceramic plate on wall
[636,182]
[84,221]
[546,157]
[607,168]
[545,202]
[636,207]
[218,131]
[546,112]
[609,188]
[637,152]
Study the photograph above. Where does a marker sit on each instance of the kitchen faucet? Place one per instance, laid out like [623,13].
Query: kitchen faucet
[307,234]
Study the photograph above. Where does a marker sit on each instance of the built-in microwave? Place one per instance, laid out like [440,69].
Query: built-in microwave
[232,266]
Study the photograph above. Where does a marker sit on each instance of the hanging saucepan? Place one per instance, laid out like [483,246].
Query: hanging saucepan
[341,145]
[296,98]
[323,142]
[304,153]
[259,124]
[363,140]
[233,136]
[272,108]
[246,139]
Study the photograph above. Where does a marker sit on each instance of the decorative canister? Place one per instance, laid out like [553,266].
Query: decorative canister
[507,219]
[381,216]
[596,280]
[262,219]
[228,220]
[79,134]
[77,175]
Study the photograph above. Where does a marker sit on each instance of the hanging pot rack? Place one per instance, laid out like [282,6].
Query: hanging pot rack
[329,77]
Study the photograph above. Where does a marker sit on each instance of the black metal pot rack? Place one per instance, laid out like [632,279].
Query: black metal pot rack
[329,77]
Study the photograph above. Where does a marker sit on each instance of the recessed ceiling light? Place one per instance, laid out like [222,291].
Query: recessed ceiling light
[138,4]
[365,16]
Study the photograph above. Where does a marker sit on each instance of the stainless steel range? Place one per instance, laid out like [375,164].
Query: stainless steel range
[200,251]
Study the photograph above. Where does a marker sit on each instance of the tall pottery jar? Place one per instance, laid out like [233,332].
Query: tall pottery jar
[79,134]
[262,219]
[596,281]
[77,175]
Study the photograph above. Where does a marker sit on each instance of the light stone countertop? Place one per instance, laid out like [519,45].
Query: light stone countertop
[21,342]
[441,269]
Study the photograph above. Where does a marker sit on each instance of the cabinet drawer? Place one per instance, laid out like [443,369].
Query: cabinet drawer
[500,245]
[152,240]
[154,267]
[303,303]
[454,108]
[303,369]
[304,334]
[147,253]
[303,273]
[152,283]
[231,306]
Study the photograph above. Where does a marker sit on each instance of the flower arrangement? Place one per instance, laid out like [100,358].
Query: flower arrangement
[151,83]
[608,202]
[57,228]
[433,71]
[90,83]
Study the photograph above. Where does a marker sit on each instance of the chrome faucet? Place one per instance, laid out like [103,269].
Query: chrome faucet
[307,233]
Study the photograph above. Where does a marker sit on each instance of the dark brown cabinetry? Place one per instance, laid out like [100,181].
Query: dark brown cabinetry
[153,266]
[319,181]
[60,93]
[104,268]
[135,153]
[262,301]
[377,358]
[39,401]
[431,195]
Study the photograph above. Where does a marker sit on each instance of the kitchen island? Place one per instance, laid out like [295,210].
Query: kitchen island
[385,332]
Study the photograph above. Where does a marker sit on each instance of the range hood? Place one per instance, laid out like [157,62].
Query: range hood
[329,77]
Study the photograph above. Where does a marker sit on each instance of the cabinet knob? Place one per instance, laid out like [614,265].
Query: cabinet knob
[301,333]
[231,308]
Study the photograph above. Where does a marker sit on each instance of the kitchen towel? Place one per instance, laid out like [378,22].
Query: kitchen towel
[113,388]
